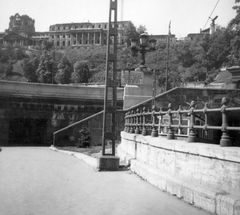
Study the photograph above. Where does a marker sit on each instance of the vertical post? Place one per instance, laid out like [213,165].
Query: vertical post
[180,120]
[142,51]
[110,161]
[126,118]
[132,122]
[170,134]
[154,88]
[225,139]
[167,64]
[137,130]
[154,130]
[192,137]
[144,130]
[54,139]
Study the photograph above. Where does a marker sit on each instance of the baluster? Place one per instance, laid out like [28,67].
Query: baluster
[126,123]
[160,121]
[144,131]
[132,122]
[140,122]
[192,137]
[225,138]
[170,134]
[206,120]
[180,130]
[129,122]
[137,131]
[148,125]
[154,130]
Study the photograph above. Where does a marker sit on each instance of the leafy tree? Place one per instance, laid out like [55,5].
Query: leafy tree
[81,72]
[216,49]
[46,68]
[9,68]
[141,29]
[237,7]
[129,33]
[30,67]
[64,71]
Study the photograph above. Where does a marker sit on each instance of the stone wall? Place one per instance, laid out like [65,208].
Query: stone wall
[30,113]
[204,175]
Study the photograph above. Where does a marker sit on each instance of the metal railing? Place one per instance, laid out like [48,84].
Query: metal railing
[151,122]
[73,125]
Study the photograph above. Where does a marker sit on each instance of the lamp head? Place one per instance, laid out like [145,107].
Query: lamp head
[152,43]
[143,39]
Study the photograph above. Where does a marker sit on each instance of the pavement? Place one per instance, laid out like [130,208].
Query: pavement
[40,181]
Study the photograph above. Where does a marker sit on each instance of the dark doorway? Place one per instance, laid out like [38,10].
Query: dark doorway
[27,132]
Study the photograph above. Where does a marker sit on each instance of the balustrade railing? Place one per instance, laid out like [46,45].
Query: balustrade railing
[153,122]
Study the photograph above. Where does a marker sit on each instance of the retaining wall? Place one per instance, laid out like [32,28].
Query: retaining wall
[204,175]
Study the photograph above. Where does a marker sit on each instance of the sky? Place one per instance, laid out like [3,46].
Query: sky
[186,16]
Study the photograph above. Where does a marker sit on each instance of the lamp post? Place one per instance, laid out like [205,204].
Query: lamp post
[146,45]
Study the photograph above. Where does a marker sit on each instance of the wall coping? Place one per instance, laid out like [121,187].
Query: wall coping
[230,154]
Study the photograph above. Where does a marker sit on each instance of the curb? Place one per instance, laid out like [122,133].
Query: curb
[91,161]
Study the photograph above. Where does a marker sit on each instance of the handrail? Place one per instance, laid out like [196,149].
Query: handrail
[148,100]
[145,122]
[74,124]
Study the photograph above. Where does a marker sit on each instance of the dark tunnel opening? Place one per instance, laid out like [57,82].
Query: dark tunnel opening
[27,132]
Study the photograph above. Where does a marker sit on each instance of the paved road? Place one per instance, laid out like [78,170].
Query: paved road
[39,181]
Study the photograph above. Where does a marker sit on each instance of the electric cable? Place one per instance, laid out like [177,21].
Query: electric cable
[211,14]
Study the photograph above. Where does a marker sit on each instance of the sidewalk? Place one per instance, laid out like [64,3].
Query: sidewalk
[37,180]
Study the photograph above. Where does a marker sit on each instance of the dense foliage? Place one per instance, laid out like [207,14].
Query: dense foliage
[198,60]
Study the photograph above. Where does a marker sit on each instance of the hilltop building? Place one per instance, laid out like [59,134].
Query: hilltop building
[21,32]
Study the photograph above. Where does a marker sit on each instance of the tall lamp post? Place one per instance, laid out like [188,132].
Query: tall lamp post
[145,46]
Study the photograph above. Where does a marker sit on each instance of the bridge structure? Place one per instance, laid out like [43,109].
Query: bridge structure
[30,112]
[175,144]
[188,144]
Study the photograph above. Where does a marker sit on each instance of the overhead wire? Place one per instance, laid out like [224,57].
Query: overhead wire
[211,14]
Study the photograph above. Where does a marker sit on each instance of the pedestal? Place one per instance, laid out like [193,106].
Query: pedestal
[108,163]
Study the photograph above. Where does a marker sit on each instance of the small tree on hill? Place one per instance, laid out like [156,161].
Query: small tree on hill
[81,72]
[64,71]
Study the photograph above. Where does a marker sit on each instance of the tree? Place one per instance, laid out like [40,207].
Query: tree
[30,67]
[64,71]
[9,68]
[129,33]
[141,29]
[46,68]
[237,7]
[81,72]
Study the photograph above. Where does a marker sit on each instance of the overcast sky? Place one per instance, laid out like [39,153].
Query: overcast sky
[187,16]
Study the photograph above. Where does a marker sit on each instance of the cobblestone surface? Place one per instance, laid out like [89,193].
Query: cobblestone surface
[37,180]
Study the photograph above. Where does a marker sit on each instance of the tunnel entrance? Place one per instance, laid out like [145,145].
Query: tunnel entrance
[27,132]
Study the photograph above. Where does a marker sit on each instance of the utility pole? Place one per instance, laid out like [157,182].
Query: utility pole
[167,63]
[109,162]
[154,88]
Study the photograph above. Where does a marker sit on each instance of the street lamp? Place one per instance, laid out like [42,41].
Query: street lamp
[146,45]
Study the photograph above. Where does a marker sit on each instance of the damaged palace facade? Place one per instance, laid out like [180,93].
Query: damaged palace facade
[21,32]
